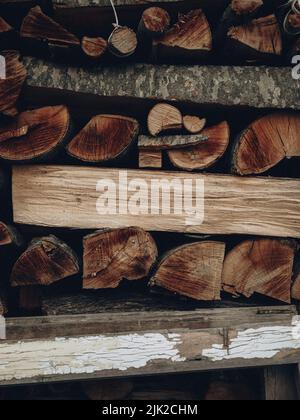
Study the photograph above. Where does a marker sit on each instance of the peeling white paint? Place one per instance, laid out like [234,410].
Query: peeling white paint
[261,343]
[85,355]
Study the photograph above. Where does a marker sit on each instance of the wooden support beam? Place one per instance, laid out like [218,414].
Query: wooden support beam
[52,346]
[65,196]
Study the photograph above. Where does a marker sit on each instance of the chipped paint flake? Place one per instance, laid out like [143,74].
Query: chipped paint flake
[85,355]
[261,343]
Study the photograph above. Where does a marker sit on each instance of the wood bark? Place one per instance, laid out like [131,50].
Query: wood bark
[123,42]
[266,142]
[155,22]
[189,39]
[259,40]
[193,270]
[164,117]
[10,87]
[104,138]
[47,260]
[263,266]
[233,205]
[35,135]
[150,159]
[206,153]
[170,142]
[111,256]
[193,125]
[94,48]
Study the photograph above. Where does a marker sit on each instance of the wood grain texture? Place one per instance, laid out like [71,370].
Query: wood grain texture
[94,47]
[296,284]
[266,142]
[111,256]
[262,266]
[155,21]
[193,124]
[245,7]
[64,196]
[150,159]
[73,348]
[164,117]
[123,42]
[193,270]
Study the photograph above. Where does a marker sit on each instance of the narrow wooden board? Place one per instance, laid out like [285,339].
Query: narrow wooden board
[66,196]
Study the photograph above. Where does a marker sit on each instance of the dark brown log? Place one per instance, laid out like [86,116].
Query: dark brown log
[107,390]
[30,299]
[205,154]
[170,142]
[47,260]
[41,27]
[104,138]
[164,117]
[155,22]
[123,42]
[94,48]
[262,266]
[193,125]
[189,39]
[11,85]
[193,270]
[35,135]
[296,284]
[259,40]
[111,256]
[266,142]
[9,236]
[245,7]
[150,159]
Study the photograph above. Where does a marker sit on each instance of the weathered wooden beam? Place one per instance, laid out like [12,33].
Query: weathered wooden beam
[75,348]
[262,87]
[67,196]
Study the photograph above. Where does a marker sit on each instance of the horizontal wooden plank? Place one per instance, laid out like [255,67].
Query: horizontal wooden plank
[81,350]
[66,196]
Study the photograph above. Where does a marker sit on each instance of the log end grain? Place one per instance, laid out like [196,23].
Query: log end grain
[194,125]
[94,48]
[123,42]
[155,21]
[164,117]
[245,7]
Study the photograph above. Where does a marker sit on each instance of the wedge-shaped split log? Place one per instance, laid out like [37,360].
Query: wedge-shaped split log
[12,82]
[164,117]
[104,138]
[189,39]
[263,266]
[41,27]
[35,135]
[193,270]
[46,261]
[111,256]
[259,40]
[205,154]
[266,142]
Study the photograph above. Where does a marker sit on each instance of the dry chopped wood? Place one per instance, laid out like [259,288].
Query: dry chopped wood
[263,266]
[194,125]
[164,117]
[35,135]
[123,42]
[155,22]
[170,142]
[266,142]
[190,38]
[94,48]
[296,284]
[193,270]
[245,7]
[150,159]
[11,85]
[104,138]
[206,153]
[47,260]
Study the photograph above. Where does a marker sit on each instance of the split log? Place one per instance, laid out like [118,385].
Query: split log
[266,142]
[147,143]
[35,135]
[294,51]
[104,138]
[155,22]
[193,270]
[123,42]
[193,125]
[164,117]
[111,256]
[107,390]
[30,299]
[189,39]
[41,27]
[233,205]
[263,266]
[296,284]
[9,38]
[150,159]
[46,261]
[206,153]
[259,40]
[11,85]
[245,7]
[94,48]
